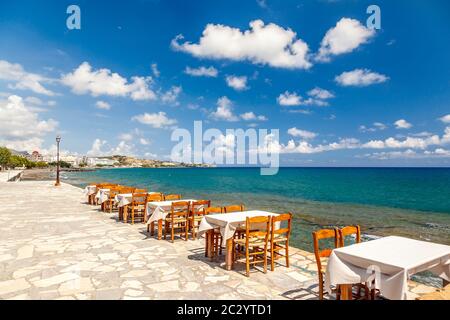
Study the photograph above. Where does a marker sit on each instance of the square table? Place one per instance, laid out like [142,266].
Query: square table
[228,223]
[158,211]
[102,195]
[389,261]
[90,192]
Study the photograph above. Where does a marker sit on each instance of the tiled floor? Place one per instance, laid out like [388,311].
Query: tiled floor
[54,246]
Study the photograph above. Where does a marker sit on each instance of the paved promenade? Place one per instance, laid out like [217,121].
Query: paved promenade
[54,246]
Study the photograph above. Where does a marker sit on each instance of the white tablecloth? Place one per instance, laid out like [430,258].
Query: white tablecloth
[125,198]
[90,190]
[102,195]
[395,259]
[160,209]
[229,222]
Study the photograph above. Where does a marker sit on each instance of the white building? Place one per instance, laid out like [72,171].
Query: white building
[92,162]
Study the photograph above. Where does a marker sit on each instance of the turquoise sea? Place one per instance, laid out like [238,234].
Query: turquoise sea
[412,202]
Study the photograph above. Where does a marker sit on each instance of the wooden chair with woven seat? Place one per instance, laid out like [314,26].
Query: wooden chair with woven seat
[216,241]
[324,234]
[110,204]
[178,219]
[355,233]
[239,234]
[138,207]
[170,197]
[124,190]
[153,197]
[197,213]
[255,243]
[279,238]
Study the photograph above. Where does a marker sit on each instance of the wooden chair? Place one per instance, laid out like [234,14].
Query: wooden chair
[178,219]
[137,207]
[216,244]
[347,231]
[125,190]
[155,197]
[197,214]
[152,198]
[110,203]
[141,190]
[169,197]
[324,253]
[239,234]
[279,238]
[234,208]
[255,243]
[356,232]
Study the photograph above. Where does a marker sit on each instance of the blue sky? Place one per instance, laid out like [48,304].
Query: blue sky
[126,79]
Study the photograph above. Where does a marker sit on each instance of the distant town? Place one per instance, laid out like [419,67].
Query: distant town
[22,159]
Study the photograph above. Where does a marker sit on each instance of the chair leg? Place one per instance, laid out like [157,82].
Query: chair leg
[272,258]
[286,252]
[320,286]
[265,258]
[173,233]
[247,262]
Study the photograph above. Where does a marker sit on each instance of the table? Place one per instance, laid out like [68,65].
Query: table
[102,195]
[158,211]
[124,199]
[393,259]
[90,190]
[228,223]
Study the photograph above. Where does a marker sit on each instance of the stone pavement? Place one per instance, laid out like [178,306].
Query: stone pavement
[54,246]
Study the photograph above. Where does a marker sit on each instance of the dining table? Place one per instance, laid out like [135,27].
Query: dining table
[157,212]
[227,223]
[122,200]
[386,264]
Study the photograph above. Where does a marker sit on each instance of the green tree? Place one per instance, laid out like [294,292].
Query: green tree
[5,155]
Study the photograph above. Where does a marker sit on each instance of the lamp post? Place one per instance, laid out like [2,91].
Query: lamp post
[58,140]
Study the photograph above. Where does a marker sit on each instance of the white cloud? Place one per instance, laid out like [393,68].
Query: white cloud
[144,141]
[156,120]
[346,36]
[402,124]
[262,44]
[224,110]
[237,83]
[289,99]
[304,134]
[376,127]
[99,146]
[262,3]
[23,80]
[251,116]
[320,93]
[360,78]
[103,105]
[317,97]
[20,126]
[445,119]
[155,70]
[201,72]
[85,80]
[171,95]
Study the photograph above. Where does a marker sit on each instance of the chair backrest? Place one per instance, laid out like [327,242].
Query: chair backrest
[197,207]
[347,231]
[168,197]
[114,191]
[212,210]
[283,230]
[140,190]
[127,190]
[155,197]
[138,199]
[234,208]
[180,208]
[253,227]
[321,235]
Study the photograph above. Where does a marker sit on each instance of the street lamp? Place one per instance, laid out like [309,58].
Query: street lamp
[58,140]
